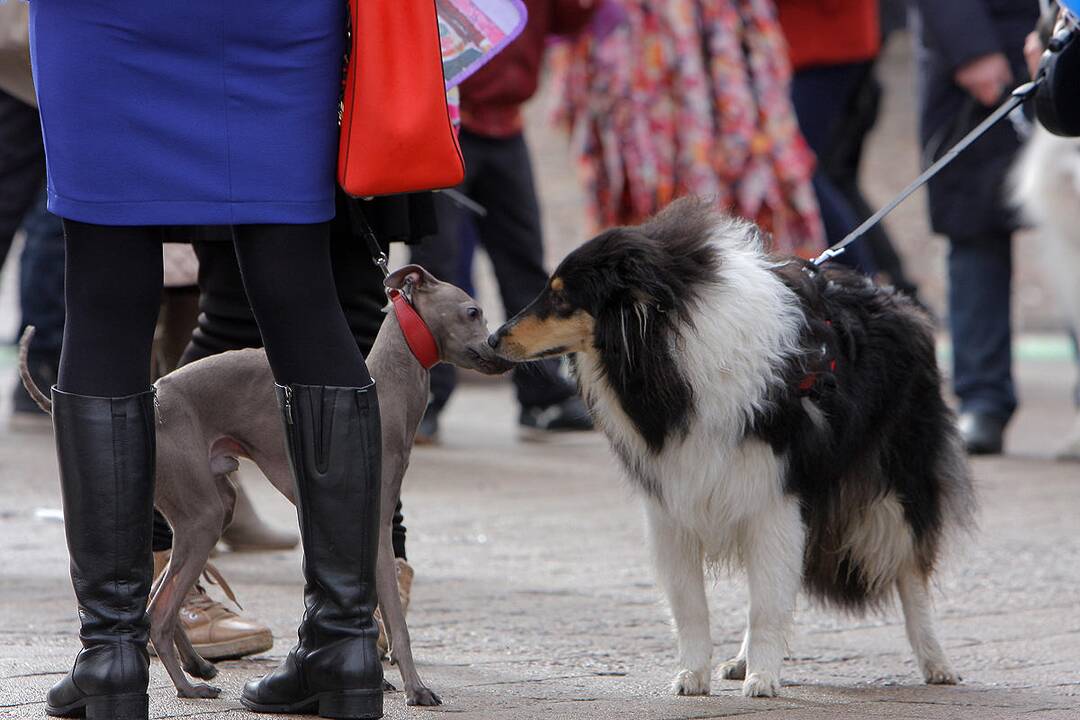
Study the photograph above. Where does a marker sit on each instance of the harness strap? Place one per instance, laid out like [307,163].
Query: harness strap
[810,380]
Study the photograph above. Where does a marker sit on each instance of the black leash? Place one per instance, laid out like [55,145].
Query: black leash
[1019,95]
[363,227]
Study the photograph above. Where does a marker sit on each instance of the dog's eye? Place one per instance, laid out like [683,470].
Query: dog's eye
[473,313]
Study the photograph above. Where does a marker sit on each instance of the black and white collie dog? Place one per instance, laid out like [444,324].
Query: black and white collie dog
[785,418]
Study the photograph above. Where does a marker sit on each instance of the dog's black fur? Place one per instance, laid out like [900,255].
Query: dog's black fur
[888,428]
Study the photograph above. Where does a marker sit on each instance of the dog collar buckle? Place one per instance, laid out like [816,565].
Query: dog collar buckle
[417,334]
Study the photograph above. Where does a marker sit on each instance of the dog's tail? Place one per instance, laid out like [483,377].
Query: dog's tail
[39,397]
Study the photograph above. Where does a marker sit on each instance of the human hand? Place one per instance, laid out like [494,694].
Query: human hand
[985,78]
[1033,52]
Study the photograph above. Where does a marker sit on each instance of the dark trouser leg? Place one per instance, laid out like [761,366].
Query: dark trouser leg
[980,289]
[41,297]
[839,219]
[225,319]
[512,236]
[103,415]
[841,159]
[22,165]
[439,256]
[814,94]
[331,418]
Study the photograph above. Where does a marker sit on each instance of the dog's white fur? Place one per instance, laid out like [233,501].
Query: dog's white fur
[722,500]
[1046,185]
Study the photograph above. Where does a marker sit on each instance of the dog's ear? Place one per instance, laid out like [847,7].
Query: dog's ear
[409,276]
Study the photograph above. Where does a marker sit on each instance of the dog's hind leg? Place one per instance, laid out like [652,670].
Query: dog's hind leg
[679,562]
[197,526]
[918,620]
[194,663]
[772,549]
[735,668]
[165,626]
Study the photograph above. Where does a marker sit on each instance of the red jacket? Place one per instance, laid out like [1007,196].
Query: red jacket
[830,32]
[491,99]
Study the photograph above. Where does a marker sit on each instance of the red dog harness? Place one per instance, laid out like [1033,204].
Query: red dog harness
[417,334]
[806,385]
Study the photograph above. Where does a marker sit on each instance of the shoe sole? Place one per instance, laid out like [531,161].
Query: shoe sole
[135,706]
[255,547]
[232,649]
[530,434]
[348,704]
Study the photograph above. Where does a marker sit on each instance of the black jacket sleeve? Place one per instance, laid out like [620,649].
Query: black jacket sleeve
[958,30]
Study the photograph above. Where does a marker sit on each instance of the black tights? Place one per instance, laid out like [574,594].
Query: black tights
[113,292]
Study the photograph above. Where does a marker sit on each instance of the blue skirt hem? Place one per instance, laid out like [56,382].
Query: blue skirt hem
[186,212]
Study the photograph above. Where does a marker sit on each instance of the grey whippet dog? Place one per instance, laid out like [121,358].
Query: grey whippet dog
[221,408]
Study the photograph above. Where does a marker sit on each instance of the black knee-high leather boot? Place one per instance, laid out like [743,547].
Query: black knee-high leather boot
[335,448]
[106,452]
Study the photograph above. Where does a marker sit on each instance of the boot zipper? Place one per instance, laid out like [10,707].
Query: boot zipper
[288,405]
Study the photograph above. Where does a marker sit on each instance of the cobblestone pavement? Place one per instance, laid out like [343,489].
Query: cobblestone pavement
[534,597]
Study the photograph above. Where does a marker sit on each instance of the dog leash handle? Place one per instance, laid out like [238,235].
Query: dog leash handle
[1018,96]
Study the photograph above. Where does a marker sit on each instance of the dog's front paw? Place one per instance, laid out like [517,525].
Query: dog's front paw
[200,691]
[940,674]
[689,682]
[734,669]
[202,669]
[761,684]
[422,696]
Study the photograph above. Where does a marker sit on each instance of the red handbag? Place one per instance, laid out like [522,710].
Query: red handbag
[396,134]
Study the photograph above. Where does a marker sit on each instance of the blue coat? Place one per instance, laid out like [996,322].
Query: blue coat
[968,199]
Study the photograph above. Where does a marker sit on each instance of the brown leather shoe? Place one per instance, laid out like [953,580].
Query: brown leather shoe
[405,575]
[217,632]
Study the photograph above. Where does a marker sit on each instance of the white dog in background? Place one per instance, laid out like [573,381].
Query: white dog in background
[1046,186]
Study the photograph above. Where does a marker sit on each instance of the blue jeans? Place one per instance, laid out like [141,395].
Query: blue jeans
[41,279]
[980,306]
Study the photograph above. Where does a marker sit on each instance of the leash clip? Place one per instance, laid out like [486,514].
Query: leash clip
[383,262]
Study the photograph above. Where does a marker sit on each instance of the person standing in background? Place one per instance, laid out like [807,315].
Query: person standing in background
[41,304]
[970,54]
[499,177]
[665,98]
[22,205]
[834,47]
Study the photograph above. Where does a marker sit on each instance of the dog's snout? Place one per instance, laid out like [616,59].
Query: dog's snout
[494,338]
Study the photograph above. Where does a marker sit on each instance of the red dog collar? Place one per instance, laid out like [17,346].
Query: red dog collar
[417,334]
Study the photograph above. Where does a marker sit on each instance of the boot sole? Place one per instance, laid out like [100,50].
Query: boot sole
[348,704]
[106,707]
[232,649]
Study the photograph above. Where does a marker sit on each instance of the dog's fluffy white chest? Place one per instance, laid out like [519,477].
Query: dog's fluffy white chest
[710,481]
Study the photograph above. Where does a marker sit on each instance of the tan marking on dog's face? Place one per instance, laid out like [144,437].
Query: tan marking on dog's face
[532,338]
[557,284]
